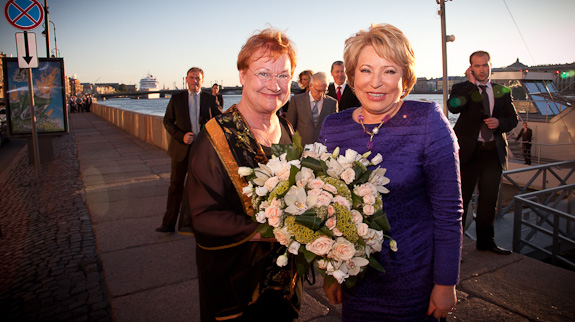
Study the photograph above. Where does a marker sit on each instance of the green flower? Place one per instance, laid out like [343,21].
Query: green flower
[344,223]
[280,190]
[301,234]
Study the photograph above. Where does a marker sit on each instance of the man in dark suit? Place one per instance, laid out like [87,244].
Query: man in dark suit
[526,134]
[219,97]
[186,114]
[339,88]
[486,112]
[307,111]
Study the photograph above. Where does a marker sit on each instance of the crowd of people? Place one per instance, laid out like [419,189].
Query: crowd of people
[79,103]
[429,165]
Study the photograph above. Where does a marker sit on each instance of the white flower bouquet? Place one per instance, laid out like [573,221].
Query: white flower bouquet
[325,208]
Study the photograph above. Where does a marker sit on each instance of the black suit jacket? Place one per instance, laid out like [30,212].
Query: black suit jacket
[465,100]
[525,135]
[348,98]
[177,120]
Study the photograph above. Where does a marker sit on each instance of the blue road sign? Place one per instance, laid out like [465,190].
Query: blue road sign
[24,14]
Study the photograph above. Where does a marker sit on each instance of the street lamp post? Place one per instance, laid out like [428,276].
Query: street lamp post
[444,39]
[55,50]
[46,28]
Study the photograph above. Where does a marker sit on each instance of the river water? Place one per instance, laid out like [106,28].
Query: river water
[158,106]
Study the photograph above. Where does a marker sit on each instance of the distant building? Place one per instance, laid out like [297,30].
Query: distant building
[73,87]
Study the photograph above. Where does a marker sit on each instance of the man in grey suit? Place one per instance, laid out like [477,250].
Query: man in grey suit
[307,111]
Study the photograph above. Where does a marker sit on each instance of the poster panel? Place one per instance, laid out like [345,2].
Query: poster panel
[49,97]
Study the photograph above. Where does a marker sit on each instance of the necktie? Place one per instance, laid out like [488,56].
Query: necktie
[194,113]
[314,112]
[338,93]
[486,133]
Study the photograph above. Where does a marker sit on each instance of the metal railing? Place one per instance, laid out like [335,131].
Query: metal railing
[543,216]
[539,172]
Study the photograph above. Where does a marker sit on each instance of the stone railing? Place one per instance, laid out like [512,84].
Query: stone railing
[149,128]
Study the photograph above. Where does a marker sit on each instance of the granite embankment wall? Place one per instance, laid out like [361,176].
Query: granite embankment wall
[149,128]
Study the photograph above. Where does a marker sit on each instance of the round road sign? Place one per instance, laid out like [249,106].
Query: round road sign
[24,14]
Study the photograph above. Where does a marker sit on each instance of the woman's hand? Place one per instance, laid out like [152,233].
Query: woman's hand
[333,292]
[442,301]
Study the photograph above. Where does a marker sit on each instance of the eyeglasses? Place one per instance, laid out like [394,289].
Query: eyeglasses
[266,77]
[321,92]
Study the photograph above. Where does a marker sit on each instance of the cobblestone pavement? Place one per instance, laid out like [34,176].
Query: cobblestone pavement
[49,265]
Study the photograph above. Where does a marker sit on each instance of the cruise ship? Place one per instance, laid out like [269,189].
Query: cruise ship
[149,83]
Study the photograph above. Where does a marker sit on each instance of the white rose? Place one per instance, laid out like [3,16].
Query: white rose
[271,183]
[309,154]
[330,188]
[342,250]
[322,264]
[294,247]
[274,221]
[248,190]
[321,246]
[273,212]
[362,230]
[368,210]
[369,199]
[350,155]
[330,210]
[261,217]
[348,175]
[340,276]
[261,191]
[276,203]
[342,201]
[282,236]
[315,184]
[356,216]
[324,198]
[282,261]
[362,190]
[377,159]
[245,171]
[336,232]
[331,222]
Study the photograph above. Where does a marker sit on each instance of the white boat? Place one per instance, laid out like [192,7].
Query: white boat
[149,84]
[548,113]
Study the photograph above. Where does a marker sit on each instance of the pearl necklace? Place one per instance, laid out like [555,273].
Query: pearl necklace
[373,132]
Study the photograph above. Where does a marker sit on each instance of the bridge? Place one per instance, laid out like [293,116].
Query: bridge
[166,92]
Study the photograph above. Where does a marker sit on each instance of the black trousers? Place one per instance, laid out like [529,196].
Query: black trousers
[526,152]
[484,171]
[175,192]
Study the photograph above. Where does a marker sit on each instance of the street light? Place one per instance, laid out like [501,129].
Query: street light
[55,51]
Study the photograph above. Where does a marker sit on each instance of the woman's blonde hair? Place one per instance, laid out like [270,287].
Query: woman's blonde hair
[274,43]
[389,43]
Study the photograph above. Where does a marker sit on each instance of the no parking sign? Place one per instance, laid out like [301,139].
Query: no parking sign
[24,14]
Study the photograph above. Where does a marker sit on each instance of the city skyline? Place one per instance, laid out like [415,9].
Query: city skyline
[122,41]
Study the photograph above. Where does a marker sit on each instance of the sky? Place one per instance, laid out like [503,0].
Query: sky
[121,41]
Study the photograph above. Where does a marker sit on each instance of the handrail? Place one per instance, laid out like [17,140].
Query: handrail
[560,227]
[543,170]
